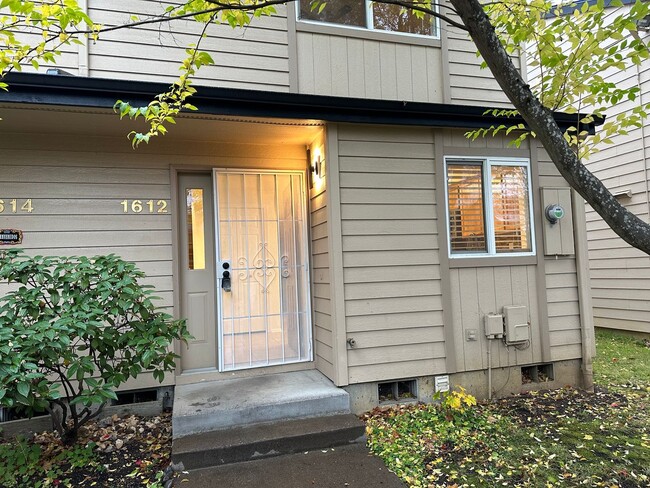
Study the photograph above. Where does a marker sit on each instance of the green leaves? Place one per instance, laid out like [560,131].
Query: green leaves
[23,389]
[571,49]
[164,109]
[80,326]
[48,25]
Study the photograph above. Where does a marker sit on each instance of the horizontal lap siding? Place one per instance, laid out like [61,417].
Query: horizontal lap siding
[77,210]
[323,329]
[76,184]
[254,58]
[562,286]
[620,274]
[68,60]
[393,298]
[77,187]
[468,83]
[363,68]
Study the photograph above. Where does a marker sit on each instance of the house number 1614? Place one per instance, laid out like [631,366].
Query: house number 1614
[15,206]
[149,206]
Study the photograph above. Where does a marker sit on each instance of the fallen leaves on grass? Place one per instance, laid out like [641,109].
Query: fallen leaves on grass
[553,438]
[541,439]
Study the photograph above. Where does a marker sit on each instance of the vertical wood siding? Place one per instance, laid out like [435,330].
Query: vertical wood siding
[561,284]
[253,58]
[393,301]
[363,68]
[476,292]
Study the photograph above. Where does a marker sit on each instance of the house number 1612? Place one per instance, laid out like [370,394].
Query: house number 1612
[149,206]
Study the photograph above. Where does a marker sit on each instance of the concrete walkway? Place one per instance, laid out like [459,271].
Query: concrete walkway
[348,466]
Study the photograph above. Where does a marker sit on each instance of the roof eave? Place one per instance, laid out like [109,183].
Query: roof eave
[72,91]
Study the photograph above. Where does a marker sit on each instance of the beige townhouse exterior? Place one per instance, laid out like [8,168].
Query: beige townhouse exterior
[328,173]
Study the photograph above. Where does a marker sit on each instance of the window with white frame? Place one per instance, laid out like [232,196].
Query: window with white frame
[488,207]
[369,15]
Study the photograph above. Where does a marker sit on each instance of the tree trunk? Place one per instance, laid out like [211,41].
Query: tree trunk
[628,226]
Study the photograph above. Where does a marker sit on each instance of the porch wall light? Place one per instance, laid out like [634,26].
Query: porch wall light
[317,167]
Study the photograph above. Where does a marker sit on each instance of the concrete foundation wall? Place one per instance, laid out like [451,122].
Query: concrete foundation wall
[505,382]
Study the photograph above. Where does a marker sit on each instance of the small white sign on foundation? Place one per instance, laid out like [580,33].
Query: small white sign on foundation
[441,383]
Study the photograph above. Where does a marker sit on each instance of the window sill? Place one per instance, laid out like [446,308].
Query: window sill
[492,261]
[366,34]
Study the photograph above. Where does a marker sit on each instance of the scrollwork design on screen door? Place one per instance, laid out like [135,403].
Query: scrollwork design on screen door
[264,268]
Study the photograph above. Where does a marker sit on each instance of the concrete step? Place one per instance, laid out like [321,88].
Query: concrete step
[259,441]
[224,404]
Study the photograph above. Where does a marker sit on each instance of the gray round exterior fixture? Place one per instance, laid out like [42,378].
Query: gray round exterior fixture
[553,213]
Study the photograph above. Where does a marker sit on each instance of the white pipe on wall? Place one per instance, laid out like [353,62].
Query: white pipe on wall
[643,144]
[489,358]
[82,49]
[584,291]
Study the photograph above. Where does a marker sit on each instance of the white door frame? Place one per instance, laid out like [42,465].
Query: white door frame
[306,250]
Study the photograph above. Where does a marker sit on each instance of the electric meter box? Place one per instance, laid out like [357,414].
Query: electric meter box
[558,236]
[516,323]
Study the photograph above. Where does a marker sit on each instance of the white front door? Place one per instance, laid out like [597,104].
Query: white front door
[265,317]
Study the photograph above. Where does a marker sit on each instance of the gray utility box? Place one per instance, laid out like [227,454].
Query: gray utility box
[516,323]
[494,325]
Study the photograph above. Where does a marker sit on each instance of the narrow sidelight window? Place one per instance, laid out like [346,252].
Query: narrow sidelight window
[195,228]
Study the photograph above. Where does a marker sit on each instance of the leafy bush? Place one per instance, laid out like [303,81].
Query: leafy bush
[457,404]
[73,330]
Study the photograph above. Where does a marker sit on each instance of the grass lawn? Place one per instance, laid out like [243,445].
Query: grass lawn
[556,438]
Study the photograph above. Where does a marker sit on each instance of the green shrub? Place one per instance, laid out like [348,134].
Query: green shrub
[73,330]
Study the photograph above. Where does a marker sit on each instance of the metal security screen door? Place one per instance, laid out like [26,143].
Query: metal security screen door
[265,316]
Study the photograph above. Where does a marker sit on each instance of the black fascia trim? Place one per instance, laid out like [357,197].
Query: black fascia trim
[72,91]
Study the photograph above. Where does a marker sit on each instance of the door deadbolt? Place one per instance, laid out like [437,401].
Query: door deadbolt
[224,275]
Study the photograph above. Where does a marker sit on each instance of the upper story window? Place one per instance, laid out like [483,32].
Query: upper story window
[368,15]
[489,205]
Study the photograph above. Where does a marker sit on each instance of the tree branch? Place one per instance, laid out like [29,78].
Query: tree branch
[540,120]
[59,423]
[170,18]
